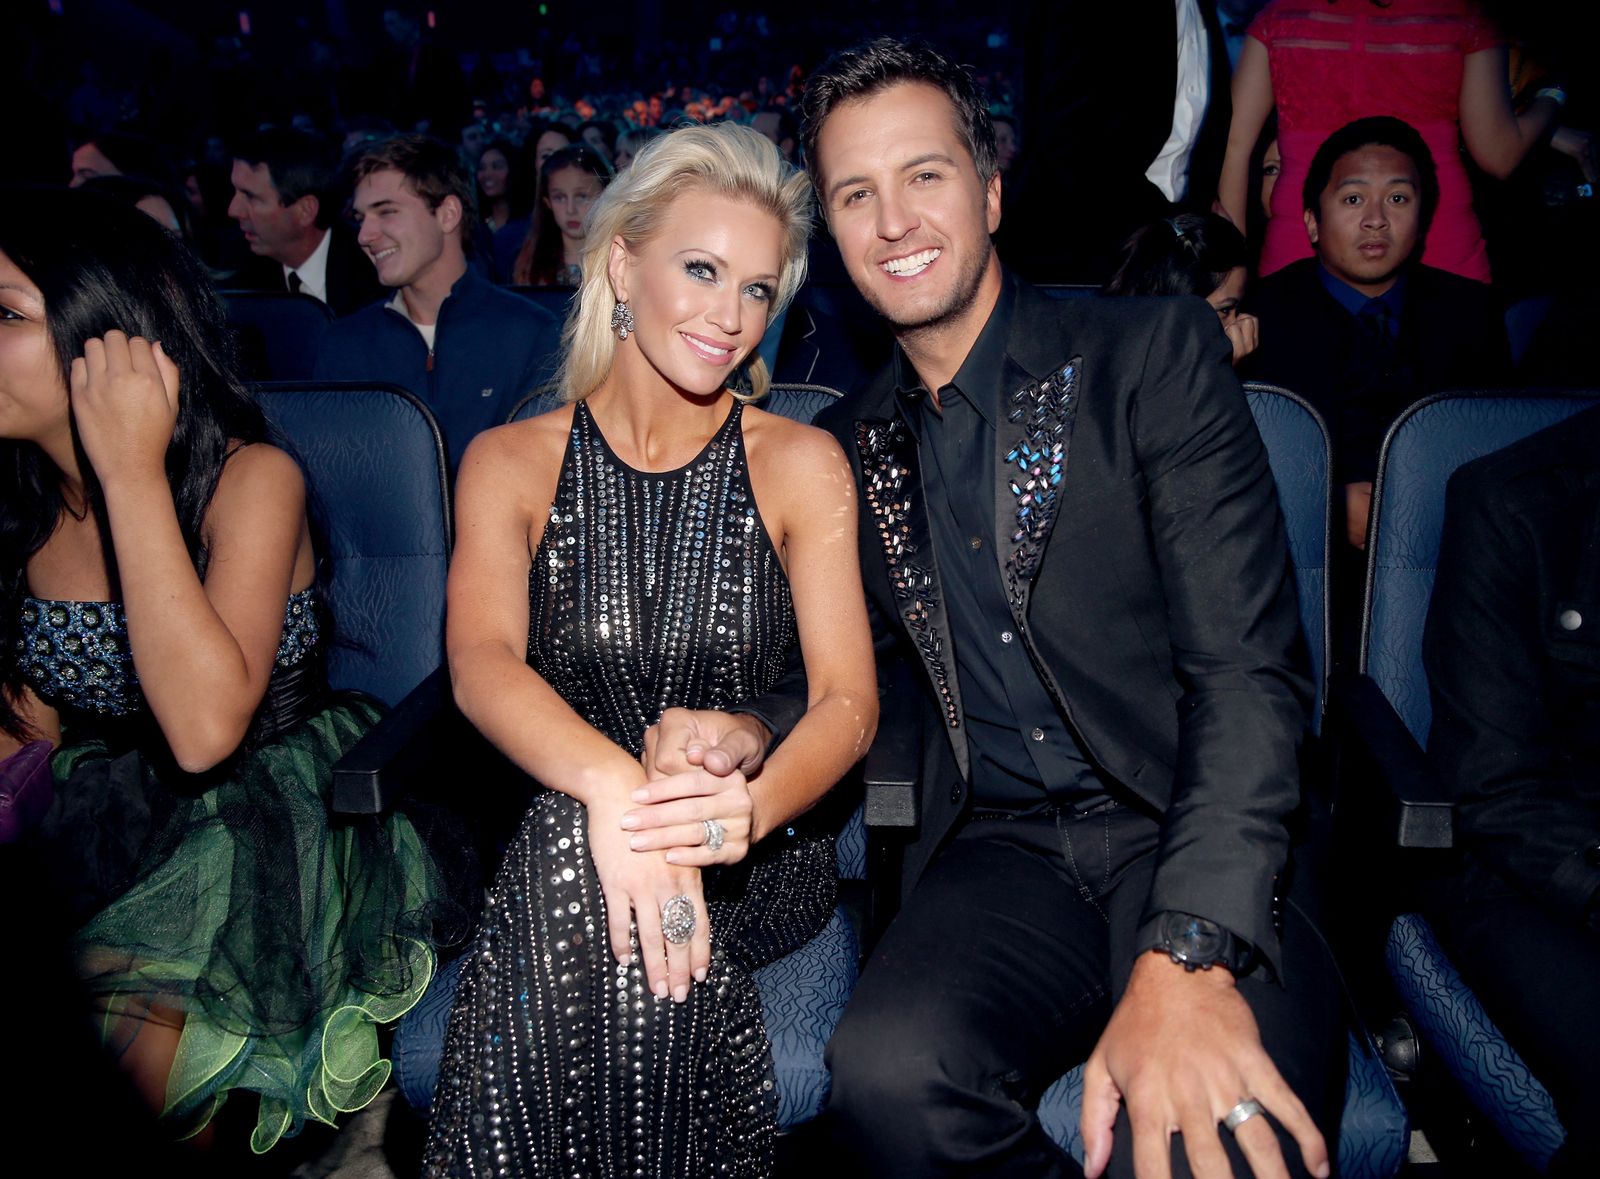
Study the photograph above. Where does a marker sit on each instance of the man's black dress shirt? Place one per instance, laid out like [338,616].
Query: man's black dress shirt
[1024,757]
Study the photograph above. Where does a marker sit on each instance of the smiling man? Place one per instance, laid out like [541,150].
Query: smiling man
[1070,527]
[468,349]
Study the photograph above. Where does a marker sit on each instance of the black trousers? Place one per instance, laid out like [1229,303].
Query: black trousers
[1537,975]
[998,976]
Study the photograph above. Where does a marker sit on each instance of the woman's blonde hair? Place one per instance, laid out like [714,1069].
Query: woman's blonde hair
[724,159]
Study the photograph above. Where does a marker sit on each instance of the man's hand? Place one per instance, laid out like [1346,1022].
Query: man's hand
[718,742]
[1182,1050]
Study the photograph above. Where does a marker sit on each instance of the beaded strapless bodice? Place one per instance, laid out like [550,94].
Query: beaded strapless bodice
[76,654]
[654,591]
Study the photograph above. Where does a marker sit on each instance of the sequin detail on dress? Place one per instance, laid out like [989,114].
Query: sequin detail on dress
[648,591]
[76,654]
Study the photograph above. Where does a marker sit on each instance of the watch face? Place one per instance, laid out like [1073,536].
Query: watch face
[1193,939]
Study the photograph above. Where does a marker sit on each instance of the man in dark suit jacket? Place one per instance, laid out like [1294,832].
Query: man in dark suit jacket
[1363,329]
[283,200]
[1068,528]
[1512,650]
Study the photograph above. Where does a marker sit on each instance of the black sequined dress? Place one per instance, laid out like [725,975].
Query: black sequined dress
[648,591]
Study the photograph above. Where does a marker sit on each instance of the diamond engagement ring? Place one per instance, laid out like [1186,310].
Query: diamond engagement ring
[1242,1113]
[678,921]
[714,834]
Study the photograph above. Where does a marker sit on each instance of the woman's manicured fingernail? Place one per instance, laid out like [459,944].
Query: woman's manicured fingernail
[630,821]
[700,975]
[637,842]
[641,795]
[680,995]
[659,990]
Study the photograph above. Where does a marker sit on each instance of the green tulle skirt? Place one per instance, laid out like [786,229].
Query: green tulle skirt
[284,936]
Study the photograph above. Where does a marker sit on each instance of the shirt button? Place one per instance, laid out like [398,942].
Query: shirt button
[975,543]
[1570,620]
[1037,734]
[1006,636]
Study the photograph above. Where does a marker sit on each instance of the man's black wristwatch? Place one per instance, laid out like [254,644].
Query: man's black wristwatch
[1197,944]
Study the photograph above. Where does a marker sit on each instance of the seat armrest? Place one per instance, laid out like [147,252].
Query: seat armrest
[383,765]
[1418,809]
[893,766]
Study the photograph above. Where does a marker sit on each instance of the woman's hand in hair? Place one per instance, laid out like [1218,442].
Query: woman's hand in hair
[125,403]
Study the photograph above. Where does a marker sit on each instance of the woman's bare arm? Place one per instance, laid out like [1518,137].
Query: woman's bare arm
[1252,103]
[1498,138]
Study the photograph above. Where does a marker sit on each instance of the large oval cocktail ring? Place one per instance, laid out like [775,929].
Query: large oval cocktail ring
[678,919]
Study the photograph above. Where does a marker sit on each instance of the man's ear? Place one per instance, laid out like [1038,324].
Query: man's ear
[305,210]
[617,268]
[449,213]
[1311,226]
[991,201]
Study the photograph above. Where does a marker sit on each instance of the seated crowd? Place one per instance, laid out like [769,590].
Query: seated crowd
[1048,505]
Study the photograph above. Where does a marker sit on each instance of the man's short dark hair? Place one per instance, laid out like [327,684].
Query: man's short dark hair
[301,164]
[1378,131]
[866,69]
[432,168]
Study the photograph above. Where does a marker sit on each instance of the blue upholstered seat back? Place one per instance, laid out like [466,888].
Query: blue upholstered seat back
[1297,451]
[281,330]
[1422,450]
[375,469]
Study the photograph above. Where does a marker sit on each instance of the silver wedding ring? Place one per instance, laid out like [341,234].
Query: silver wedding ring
[714,834]
[678,920]
[1242,1113]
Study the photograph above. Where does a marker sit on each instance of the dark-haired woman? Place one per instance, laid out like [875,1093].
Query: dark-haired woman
[503,218]
[160,625]
[1191,254]
[569,182]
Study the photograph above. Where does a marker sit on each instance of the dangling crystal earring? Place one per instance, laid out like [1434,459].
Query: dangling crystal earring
[622,320]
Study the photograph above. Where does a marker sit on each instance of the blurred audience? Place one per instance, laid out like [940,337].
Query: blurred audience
[631,142]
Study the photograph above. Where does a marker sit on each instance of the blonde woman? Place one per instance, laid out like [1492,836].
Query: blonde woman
[657,543]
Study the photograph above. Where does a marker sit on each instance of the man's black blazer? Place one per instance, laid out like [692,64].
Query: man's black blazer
[1153,588]
[1512,650]
[352,279]
[1452,336]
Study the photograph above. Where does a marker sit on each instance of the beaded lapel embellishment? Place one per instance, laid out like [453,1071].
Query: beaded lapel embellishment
[1035,466]
[888,457]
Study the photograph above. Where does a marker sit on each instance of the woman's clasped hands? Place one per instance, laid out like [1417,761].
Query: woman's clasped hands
[685,817]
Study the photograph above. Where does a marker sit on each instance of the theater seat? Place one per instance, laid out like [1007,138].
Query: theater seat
[1385,713]
[277,334]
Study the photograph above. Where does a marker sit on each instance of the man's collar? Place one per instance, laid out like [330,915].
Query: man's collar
[313,271]
[1353,300]
[979,371]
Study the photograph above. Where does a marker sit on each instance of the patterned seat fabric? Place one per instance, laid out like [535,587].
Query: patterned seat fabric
[1456,1026]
